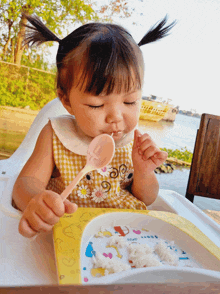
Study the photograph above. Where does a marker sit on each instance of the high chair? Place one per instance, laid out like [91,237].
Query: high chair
[204,178]
[27,262]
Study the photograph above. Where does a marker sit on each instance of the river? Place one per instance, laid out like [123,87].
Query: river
[174,135]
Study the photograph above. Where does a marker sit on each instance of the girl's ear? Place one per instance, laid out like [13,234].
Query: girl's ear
[65,101]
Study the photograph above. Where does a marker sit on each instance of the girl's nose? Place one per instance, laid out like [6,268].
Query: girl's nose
[114,115]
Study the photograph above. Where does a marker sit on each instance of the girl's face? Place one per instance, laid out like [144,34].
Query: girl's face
[95,115]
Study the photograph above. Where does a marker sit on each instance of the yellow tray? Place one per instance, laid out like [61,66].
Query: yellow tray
[73,233]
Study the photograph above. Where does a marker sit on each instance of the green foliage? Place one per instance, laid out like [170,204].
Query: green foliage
[182,154]
[20,87]
[59,16]
[36,61]
[56,14]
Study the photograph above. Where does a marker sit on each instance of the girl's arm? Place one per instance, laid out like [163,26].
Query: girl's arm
[145,187]
[146,156]
[41,208]
[36,173]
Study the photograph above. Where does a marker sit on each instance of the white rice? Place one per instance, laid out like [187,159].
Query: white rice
[134,249]
[117,241]
[146,260]
[165,253]
[141,255]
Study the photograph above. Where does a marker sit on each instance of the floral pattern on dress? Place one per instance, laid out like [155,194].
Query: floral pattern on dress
[89,178]
[98,195]
[83,191]
[104,171]
[128,178]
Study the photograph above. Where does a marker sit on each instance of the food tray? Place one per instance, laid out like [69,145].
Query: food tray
[80,236]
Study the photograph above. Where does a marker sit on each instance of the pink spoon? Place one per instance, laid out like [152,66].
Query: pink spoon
[100,152]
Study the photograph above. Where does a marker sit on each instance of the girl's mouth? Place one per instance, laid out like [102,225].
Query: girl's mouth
[116,133]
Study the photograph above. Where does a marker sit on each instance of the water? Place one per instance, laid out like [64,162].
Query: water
[174,135]
[179,134]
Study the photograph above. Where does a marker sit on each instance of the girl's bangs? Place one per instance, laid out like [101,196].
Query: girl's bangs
[113,67]
[122,79]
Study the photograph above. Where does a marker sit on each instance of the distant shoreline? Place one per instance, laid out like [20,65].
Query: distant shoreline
[189,113]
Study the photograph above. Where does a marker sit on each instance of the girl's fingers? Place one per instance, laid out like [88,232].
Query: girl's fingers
[38,224]
[146,145]
[47,215]
[42,217]
[159,157]
[145,142]
[34,223]
[70,207]
[149,152]
[25,229]
[143,138]
[136,138]
[55,203]
[162,155]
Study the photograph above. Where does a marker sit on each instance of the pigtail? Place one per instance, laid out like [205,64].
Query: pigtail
[38,33]
[157,32]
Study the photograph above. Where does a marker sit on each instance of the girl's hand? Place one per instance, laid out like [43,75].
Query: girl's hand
[43,212]
[146,156]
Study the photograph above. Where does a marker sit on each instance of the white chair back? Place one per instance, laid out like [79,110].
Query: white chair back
[11,167]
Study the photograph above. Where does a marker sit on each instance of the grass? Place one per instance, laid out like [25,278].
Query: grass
[10,141]
[183,155]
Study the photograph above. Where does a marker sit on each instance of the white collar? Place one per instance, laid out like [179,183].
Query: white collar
[66,129]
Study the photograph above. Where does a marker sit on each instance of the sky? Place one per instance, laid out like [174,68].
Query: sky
[184,66]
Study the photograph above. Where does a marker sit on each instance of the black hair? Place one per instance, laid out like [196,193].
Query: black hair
[157,32]
[98,57]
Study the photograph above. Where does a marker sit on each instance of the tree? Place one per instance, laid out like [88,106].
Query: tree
[57,14]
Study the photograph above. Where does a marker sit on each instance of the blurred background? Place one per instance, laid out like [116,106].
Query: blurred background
[181,70]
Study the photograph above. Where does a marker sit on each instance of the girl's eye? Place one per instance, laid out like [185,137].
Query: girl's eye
[130,103]
[92,106]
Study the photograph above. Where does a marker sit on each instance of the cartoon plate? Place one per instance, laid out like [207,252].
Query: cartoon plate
[104,246]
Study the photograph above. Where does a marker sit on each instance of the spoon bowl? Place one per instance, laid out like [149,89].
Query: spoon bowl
[100,153]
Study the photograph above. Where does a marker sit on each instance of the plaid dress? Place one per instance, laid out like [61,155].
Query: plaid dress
[103,188]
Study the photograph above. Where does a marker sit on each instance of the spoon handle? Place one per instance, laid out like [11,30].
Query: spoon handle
[72,185]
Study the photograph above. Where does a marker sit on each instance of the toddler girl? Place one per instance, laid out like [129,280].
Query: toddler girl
[100,72]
